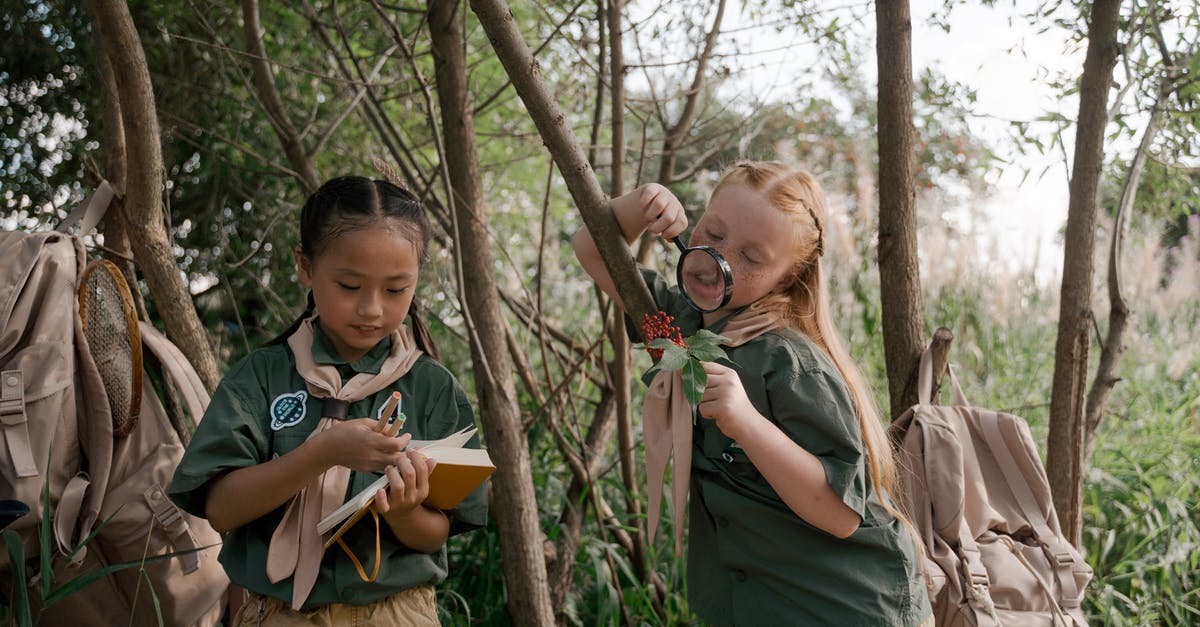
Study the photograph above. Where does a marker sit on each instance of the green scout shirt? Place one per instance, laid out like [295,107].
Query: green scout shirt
[236,432]
[751,560]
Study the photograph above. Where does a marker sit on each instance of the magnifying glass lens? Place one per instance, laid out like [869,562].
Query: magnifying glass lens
[702,279]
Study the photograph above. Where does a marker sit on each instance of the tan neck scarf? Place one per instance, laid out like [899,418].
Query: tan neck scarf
[667,415]
[296,547]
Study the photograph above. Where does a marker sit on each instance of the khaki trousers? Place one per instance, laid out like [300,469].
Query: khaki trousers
[414,607]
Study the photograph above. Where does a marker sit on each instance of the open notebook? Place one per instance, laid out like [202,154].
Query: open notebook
[458,472]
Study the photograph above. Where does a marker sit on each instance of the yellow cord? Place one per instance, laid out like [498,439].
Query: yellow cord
[362,573]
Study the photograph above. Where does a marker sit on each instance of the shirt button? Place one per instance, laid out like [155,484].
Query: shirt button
[722,521]
[739,575]
[727,457]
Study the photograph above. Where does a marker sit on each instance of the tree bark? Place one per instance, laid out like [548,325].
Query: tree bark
[513,495]
[899,271]
[149,239]
[264,84]
[1065,442]
[526,75]
[116,242]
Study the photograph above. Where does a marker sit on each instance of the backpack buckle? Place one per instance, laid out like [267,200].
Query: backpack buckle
[12,401]
[175,525]
[165,512]
[14,423]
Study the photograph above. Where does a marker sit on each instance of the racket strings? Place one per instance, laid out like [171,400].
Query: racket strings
[110,326]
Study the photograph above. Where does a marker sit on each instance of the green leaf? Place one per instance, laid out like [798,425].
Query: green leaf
[16,559]
[83,580]
[708,353]
[661,342]
[695,379]
[44,537]
[673,357]
[95,532]
[153,597]
[705,339]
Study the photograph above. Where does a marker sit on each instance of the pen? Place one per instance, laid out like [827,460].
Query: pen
[385,417]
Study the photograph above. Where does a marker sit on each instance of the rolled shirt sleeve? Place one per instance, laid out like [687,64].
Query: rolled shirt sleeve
[228,438]
[813,407]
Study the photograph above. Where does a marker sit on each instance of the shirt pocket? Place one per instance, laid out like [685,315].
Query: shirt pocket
[738,463]
[285,441]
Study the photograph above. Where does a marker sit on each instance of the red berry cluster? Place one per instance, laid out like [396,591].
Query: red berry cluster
[659,325]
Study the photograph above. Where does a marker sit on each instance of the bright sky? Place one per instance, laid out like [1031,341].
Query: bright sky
[1006,60]
[1009,64]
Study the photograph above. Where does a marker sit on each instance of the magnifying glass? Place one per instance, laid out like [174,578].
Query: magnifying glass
[704,277]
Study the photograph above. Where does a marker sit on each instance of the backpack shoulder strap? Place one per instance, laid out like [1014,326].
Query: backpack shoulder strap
[180,374]
[977,588]
[180,370]
[1062,555]
[91,210]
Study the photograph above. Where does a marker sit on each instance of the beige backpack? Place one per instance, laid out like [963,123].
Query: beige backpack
[977,493]
[106,489]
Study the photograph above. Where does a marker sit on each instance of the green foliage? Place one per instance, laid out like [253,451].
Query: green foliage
[703,346]
[44,96]
[1142,529]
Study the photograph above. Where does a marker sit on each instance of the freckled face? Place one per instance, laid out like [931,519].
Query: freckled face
[363,285]
[756,239]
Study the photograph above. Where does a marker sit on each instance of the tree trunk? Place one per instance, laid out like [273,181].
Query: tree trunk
[526,76]
[264,84]
[1064,447]
[149,239]
[899,272]
[513,496]
[116,242]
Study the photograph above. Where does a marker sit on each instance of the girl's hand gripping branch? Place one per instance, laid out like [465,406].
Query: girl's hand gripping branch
[650,208]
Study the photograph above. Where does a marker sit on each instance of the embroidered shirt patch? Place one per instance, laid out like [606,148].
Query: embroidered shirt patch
[288,410]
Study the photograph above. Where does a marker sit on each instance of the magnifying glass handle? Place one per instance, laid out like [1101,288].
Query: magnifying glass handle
[679,243]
